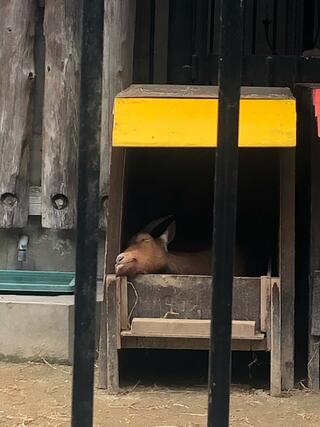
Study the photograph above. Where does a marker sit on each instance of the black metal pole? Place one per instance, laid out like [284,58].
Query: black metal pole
[87,211]
[225,207]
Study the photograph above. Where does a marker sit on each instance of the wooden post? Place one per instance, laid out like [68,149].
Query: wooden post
[102,357]
[115,208]
[113,335]
[17,23]
[119,29]
[314,282]
[287,264]
[275,359]
[110,339]
[308,230]
[313,362]
[265,303]
[117,75]
[60,113]
[124,320]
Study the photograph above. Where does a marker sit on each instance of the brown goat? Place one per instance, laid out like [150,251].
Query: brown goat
[147,255]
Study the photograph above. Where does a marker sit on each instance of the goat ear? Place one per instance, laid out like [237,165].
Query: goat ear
[169,234]
[153,225]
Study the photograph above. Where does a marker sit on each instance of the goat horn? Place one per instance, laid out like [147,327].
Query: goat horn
[153,224]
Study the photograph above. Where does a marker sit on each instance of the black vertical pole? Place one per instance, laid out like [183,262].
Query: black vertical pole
[225,207]
[87,211]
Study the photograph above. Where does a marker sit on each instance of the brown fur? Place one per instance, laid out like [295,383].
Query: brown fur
[148,255]
[144,255]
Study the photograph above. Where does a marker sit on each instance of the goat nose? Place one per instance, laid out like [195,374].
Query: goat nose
[119,258]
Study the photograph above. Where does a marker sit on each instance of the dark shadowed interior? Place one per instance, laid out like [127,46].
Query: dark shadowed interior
[180,182]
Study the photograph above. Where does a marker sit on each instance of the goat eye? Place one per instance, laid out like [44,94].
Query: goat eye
[146,240]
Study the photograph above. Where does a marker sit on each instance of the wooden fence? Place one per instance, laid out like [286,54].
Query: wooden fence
[55,200]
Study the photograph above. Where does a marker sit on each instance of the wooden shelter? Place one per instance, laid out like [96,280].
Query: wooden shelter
[131,319]
[139,116]
[163,311]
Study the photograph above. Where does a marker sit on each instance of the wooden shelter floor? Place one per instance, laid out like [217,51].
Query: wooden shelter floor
[38,394]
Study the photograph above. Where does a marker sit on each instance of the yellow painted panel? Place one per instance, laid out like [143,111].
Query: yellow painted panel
[163,122]
[267,123]
[185,122]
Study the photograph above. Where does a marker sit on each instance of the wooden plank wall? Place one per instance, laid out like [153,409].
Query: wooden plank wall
[17,23]
[141,65]
[161,34]
[260,35]
[60,114]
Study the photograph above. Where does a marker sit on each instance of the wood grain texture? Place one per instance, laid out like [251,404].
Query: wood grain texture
[202,92]
[128,341]
[189,328]
[265,302]
[102,354]
[115,209]
[124,321]
[109,342]
[17,23]
[35,201]
[60,114]
[314,274]
[308,207]
[113,337]
[315,328]
[119,23]
[275,364]
[287,264]
[315,235]
[119,26]
[188,297]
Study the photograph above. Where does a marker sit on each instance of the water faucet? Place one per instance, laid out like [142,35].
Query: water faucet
[22,248]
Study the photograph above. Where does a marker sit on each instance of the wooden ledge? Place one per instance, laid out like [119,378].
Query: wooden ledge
[188,328]
[187,116]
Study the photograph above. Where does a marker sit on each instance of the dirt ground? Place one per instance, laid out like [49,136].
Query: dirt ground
[35,394]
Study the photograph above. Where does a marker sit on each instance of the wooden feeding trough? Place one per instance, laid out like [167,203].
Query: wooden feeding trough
[173,311]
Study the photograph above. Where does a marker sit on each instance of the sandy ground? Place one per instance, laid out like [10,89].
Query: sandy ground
[34,394]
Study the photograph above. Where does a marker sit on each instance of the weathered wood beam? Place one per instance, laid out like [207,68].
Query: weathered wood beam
[119,27]
[60,114]
[17,23]
[188,297]
[275,315]
[130,341]
[110,339]
[189,328]
[287,264]
[314,279]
